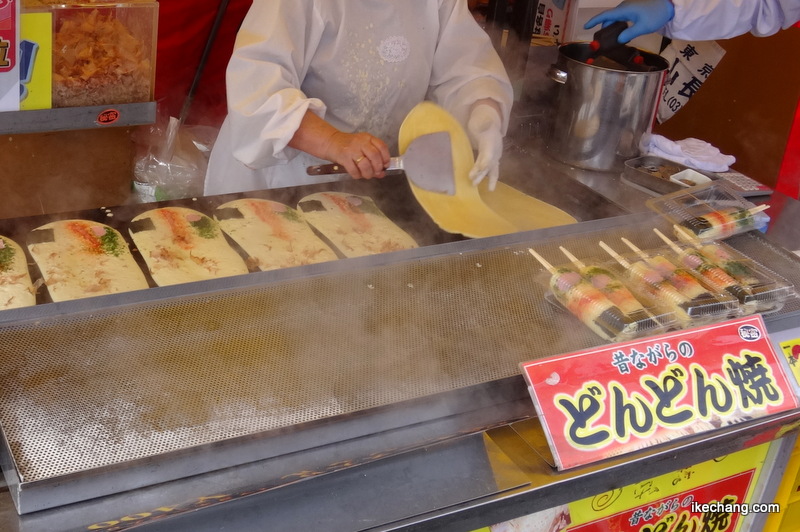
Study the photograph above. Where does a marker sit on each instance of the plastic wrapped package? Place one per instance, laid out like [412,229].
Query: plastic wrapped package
[711,212]
[691,303]
[758,288]
[103,52]
[171,161]
[611,312]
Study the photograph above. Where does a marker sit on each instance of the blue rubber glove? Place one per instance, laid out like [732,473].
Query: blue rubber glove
[647,16]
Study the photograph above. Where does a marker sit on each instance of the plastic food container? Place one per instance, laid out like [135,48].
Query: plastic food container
[666,288]
[710,212]
[594,294]
[760,289]
[689,178]
[102,53]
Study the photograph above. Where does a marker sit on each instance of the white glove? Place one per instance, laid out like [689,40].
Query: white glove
[485,132]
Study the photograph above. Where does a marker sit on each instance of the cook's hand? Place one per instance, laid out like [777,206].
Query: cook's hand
[485,131]
[647,16]
[363,155]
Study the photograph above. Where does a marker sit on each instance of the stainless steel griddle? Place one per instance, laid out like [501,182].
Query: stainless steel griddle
[107,394]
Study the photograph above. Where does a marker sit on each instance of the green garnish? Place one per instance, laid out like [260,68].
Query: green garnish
[110,243]
[738,269]
[205,227]
[291,215]
[368,207]
[6,255]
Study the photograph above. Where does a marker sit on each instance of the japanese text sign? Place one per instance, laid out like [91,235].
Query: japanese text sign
[9,43]
[618,398]
[716,506]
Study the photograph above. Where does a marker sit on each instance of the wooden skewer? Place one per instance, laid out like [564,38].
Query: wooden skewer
[686,235]
[635,249]
[673,246]
[575,260]
[619,258]
[544,262]
[757,209]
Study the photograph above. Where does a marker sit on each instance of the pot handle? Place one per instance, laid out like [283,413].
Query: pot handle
[556,74]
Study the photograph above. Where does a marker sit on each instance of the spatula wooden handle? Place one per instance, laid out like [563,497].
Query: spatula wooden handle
[325,169]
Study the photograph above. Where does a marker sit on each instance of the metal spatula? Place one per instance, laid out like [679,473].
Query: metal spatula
[428,163]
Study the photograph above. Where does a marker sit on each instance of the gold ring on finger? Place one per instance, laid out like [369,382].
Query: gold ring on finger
[360,159]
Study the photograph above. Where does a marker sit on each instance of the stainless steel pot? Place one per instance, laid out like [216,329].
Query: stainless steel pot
[602,112]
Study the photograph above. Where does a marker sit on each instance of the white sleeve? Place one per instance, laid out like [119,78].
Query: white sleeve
[466,67]
[264,75]
[697,20]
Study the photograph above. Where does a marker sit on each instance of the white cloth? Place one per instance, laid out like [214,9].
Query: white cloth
[360,64]
[707,20]
[691,152]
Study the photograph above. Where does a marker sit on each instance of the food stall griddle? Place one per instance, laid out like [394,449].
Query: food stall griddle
[107,394]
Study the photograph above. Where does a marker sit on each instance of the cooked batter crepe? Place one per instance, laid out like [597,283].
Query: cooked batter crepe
[354,224]
[81,258]
[16,289]
[181,245]
[272,234]
[472,211]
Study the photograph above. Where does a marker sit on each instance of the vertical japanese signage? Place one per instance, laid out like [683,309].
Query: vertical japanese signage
[619,398]
[550,18]
[9,46]
[690,65]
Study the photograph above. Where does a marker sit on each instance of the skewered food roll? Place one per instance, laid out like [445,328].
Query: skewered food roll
[705,300]
[712,274]
[649,281]
[722,223]
[604,280]
[586,302]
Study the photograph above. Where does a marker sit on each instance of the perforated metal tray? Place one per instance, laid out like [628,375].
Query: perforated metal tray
[116,392]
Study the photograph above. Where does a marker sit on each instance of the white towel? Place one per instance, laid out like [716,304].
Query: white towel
[691,152]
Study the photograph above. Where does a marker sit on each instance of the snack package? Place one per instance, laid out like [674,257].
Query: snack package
[596,297]
[103,53]
[711,212]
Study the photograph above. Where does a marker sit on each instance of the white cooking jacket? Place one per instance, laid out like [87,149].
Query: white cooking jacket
[706,20]
[360,64]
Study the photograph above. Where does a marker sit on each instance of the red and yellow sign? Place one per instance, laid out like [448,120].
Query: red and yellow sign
[619,398]
[791,350]
[713,496]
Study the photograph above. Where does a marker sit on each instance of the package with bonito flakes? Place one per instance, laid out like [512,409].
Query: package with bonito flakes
[103,53]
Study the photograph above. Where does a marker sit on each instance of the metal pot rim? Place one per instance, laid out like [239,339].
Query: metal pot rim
[570,51]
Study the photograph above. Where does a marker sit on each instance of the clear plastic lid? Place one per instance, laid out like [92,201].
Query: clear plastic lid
[598,298]
[710,212]
[663,285]
[758,288]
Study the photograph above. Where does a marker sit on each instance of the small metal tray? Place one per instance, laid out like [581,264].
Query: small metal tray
[652,174]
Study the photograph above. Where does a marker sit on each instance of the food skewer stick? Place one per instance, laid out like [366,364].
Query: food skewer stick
[573,259]
[605,281]
[713,274]
[586,302]
[650,281]
[715,253]
[680,278]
